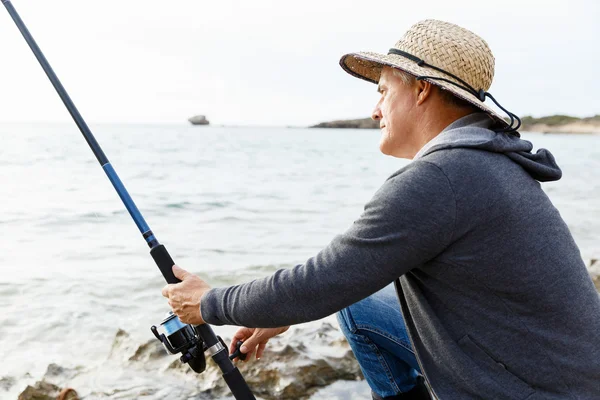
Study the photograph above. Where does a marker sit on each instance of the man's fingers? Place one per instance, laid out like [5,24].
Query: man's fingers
[180,272]
[261,349]
[252,342]
[248,356]
[241,334]
[165,291]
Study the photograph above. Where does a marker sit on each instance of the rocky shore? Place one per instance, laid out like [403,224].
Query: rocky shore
[549,124]
[308,362]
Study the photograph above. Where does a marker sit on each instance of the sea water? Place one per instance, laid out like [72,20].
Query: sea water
[231,204]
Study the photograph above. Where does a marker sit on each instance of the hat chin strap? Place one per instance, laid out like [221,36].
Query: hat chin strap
[480,94]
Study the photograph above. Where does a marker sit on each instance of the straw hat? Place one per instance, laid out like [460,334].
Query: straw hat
[440,53]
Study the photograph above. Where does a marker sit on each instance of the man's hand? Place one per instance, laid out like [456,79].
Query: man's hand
[253,337]
[184,297]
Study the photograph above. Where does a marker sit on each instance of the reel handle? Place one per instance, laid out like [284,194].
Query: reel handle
[238,352]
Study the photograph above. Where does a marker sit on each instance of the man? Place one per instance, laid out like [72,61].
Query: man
[496,301]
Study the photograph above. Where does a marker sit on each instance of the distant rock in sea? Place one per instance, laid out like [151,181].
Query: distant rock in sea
[198,120]
[364,123]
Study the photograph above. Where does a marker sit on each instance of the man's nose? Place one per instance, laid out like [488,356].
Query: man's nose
[376,114]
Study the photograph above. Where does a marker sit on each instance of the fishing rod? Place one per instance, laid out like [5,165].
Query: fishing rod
[191,341]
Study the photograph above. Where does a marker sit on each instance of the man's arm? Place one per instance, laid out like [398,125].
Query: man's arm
[408,222]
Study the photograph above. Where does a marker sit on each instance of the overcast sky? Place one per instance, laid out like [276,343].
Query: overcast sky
[276,62]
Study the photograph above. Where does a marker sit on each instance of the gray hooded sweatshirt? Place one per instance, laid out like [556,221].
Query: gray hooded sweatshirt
[495,295]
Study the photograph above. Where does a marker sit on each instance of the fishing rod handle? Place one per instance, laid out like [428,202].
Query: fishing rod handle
[231,374]
[165,263]
[238,386]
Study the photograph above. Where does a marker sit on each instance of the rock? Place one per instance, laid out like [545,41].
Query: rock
[124,348]
[594,271]
[296,365]
[596,280]
[198,120]
[67,394]
[364,123]
[55,371]
[43,390]
[291,370]
[151,350]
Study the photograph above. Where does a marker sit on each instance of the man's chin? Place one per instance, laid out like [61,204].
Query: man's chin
[388,150]
[384,148]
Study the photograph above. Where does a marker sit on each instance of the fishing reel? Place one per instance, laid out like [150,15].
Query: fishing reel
[185,339]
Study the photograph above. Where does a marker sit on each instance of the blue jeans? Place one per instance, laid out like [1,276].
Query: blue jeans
[377,335]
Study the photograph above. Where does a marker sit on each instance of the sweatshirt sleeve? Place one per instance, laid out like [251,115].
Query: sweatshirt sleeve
[409,221]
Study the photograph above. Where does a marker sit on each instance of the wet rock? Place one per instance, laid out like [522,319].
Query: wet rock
[151,350]
[43,390]
[596,280]
[309,360]
[594,271]
[124,348]
[56,371]
[122,343]
[290,368]
[294,366]
[67,394]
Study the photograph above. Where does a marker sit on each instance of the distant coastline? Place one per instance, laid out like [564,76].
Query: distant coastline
[561,124]
[363,123]
[549,124]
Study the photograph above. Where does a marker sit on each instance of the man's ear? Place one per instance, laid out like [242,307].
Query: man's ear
[424,91]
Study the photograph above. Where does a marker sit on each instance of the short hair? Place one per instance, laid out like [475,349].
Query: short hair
[447,97]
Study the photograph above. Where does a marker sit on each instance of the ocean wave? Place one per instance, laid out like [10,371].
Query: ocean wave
[179,205]
[217,204]
[229,218]
[53,220]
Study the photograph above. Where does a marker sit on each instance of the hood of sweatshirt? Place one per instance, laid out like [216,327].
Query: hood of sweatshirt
[473,131]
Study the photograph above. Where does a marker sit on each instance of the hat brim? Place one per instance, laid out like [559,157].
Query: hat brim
[368,66]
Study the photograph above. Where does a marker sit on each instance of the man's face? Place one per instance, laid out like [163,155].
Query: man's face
[395,112]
